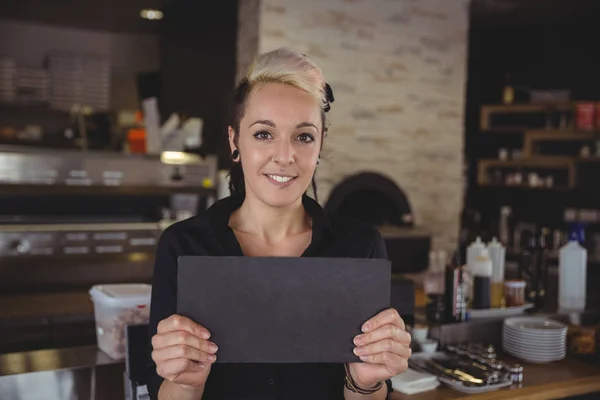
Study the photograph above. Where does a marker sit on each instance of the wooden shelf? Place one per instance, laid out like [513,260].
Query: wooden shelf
[587,159]
[533,136]
[531,162]
[523,108]
[566,163]
[529,107]
[539,162]
[525,187]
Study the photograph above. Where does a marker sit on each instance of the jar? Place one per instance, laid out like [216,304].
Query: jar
[514,293]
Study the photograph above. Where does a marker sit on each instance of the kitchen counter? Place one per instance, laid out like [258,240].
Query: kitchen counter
[46,321]
[53,360]
[556,380]
[70,373]
[46,304]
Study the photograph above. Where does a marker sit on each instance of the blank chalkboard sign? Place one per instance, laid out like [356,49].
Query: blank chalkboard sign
[282,310]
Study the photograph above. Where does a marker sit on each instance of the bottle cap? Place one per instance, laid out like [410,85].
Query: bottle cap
[478,243]
[577,233]
[514,284]
[494,243]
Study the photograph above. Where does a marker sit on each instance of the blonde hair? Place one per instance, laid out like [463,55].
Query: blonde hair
[284,65]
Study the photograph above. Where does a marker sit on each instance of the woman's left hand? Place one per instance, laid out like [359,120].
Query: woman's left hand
[384,347]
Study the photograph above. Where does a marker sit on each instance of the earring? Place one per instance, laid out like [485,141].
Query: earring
[235,154]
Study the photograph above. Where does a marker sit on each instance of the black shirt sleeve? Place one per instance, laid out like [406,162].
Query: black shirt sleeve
[163,302]
[378,249]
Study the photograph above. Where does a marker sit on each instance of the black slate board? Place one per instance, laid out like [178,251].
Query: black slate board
[282,310]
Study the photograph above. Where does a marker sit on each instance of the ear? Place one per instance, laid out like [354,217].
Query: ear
[231,134]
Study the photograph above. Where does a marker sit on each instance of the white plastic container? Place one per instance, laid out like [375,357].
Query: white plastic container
[474,250]
[498,256]
[572,271]
[115,307]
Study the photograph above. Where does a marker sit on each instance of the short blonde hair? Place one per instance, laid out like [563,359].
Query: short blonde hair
[285,66]
[289,67]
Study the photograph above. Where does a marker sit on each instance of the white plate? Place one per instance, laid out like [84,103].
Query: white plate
[532,348]
[522,331]
[536,356]
[536,343]
[498,312]
[527,331]
[535,324]
[534,337]
[533,360]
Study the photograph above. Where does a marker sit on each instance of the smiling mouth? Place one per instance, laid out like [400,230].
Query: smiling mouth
[280,180]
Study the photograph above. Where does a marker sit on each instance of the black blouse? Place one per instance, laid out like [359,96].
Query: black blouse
[209,234]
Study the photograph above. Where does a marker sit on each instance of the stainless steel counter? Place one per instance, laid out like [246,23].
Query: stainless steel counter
[78,373]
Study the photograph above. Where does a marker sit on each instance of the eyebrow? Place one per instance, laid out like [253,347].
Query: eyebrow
[272,124]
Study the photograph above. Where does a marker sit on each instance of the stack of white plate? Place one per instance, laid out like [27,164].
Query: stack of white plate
[535,339]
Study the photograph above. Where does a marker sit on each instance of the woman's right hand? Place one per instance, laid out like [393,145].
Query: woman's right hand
[182,352]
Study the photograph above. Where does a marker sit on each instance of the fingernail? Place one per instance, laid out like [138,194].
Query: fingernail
[205,335]
[212,358]
[366,327]
[358,340]
[212,348]
[363,358]
[358,351]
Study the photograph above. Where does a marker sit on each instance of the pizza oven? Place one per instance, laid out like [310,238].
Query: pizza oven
[375,199]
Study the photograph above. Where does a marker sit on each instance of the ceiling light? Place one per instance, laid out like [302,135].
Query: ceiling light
[151,14]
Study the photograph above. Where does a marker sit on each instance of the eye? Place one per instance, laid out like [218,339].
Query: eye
[306,138]
[262,135]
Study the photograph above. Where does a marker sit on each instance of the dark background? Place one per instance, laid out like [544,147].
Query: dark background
[549,44]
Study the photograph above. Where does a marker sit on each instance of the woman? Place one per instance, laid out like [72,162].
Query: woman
[276,135]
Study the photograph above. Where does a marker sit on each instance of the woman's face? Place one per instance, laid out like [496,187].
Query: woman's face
[279,143]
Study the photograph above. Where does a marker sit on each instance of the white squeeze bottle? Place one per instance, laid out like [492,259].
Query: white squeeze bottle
[498,257]
[572,270]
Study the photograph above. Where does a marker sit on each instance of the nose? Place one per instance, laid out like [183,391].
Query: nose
[284,153]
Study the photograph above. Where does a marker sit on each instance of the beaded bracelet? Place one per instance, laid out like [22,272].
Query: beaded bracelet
[353,387]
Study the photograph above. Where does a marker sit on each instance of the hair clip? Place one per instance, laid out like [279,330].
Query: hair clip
[329,95]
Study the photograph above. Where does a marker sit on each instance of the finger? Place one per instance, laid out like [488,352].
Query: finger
[389,316]
[384,346]
[392,362]
[163,340]
[170,369]
[390,331]
[180,323]
[182,351]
